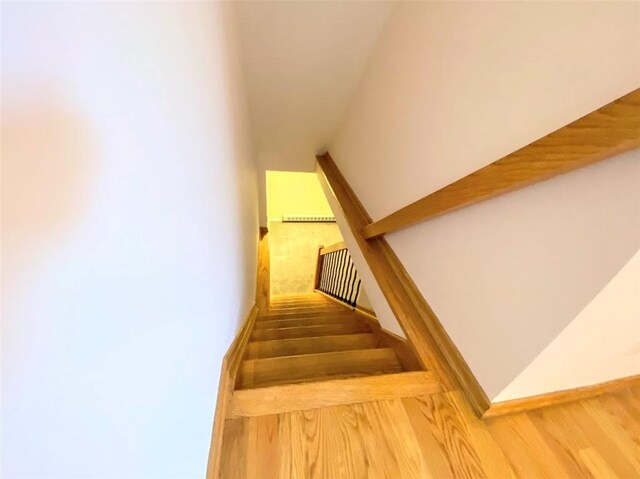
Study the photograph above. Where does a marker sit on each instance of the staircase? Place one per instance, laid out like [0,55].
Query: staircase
[304,339]
[309,351]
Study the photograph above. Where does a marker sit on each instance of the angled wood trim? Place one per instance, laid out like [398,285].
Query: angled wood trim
[305,396]
[434,348]
[608,131]
[334,247]
[228,373]
[503,408]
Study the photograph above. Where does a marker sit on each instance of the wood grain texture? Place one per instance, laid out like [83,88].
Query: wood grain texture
[559,397]
[438,436]
[308,331]
[263,288]
[229,371]
[602,134]
[430,341]
[298,397]
[403,348]
[257,373]
[309,321]
[321,344]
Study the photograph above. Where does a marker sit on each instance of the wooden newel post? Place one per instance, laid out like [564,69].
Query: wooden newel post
[316,282]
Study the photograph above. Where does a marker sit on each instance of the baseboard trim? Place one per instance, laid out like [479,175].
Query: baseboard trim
[228,372]
[555,398]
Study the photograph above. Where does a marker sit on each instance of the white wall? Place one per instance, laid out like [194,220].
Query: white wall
[303,61]
[129,234]
[590,350]
[452,87]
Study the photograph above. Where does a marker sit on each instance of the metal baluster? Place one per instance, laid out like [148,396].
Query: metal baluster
[340,274]
[349,283]
[334,269]
[355,299]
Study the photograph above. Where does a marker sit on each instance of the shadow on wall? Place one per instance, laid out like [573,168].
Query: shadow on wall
[47,150]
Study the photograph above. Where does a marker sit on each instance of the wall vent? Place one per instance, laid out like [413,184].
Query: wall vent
[308,219]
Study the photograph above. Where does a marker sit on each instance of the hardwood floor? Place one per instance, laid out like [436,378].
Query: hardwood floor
[416,431]
[438,436]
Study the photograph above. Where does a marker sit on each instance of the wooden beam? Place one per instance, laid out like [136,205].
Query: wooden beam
[299,397]
[606,132]
[434,348]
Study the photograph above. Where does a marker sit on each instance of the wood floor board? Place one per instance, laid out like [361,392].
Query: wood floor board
[527,452]
[234,455]
[389,422]
[438,436]
[450,433]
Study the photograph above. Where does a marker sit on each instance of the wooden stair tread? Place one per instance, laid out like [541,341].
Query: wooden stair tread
[310,345]
[306,312]
[309,331]
[293,322]
[334,392]
[309,367]
[313,314]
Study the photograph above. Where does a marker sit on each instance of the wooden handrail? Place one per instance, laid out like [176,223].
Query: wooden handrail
[606,132]
[332,248]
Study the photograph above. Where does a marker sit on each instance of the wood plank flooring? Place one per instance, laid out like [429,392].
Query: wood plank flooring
[432,434]
[437,436]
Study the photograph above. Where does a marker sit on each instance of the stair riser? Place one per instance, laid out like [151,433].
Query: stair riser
[325,344]
[305,332]
[292,323]
[264,372]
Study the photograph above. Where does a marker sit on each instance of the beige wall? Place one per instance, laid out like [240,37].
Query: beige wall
[129,234]
[294,254]
[455,86]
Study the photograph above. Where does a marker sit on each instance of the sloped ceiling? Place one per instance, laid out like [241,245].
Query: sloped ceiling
[302,62]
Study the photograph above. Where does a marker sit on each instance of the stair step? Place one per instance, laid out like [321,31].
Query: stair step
[326,314]
[322,344]
[305,304]
[304,396]
[309,331]
[304,314]
[255,373]
[310,309]
[313,321]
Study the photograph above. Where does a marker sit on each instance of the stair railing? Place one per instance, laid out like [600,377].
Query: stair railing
[336,274]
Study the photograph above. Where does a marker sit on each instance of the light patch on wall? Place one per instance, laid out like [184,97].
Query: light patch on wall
[292,193]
